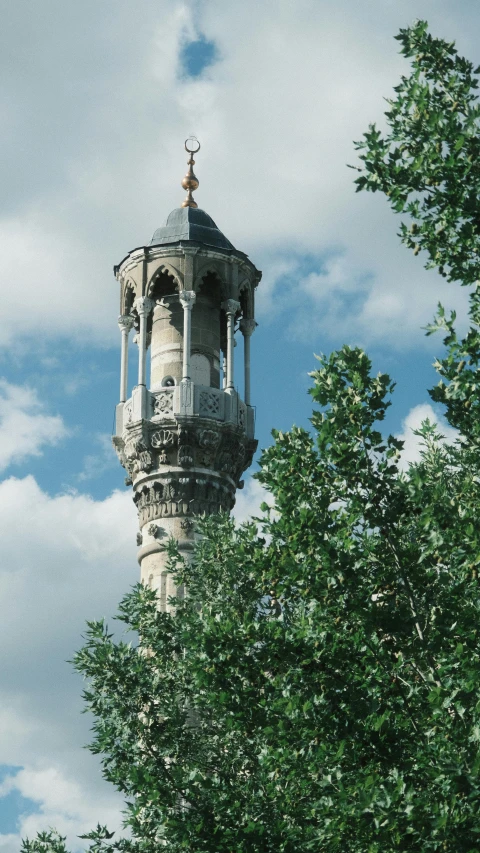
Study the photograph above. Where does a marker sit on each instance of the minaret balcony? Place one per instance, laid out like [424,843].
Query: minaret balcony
[185,400]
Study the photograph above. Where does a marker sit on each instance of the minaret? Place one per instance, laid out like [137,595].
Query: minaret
[186,437]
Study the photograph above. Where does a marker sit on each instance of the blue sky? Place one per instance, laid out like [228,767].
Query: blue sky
[96,101]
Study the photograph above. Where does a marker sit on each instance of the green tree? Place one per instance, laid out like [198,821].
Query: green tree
[428,165]
[318,688]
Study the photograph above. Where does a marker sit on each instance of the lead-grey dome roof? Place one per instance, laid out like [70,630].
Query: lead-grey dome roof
[190,223]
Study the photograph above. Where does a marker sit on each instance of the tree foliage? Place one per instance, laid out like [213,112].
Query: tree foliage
[428,165]
[428,162]
[318,688]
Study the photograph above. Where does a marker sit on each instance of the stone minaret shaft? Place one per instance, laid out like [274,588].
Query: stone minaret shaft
[186,437]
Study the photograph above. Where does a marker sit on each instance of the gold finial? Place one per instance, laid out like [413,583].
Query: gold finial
[190,182]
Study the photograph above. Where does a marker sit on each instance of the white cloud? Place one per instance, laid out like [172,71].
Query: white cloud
[63,803]
[65,559]
[24,428]
[280,109]
[347,297]
[293,92]
[249,500]
[9,843]
[413,421]
[95,464]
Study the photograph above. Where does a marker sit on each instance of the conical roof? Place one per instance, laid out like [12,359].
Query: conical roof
[190,224]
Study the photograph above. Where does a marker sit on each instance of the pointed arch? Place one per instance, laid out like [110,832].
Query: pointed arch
[210,286]
[214,268]
[164,282]
[245,297]
[128,294]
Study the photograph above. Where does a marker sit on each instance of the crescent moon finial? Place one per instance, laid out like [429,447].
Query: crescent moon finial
[192,139]
[190,182]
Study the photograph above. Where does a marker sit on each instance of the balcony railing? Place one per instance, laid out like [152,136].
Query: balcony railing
[185,400]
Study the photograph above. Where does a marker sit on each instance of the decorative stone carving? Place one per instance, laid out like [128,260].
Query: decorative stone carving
[231,456]
[185,496]
[145,458]
[164,402]
[186,394]
[184,436]
[185,455]
[247,327]
[125,322]
[152,530]
[209,404]
[147,501]
[119,446]
[137,457]
[208,441]
[206,459]
[201,489]
[187,298]
[209,438]
[163,438]
[187,524]
[209,447]
[170,490]
[231,306]
[139,538]
[144,305]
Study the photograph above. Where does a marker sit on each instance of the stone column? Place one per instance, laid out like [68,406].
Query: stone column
[224,373]
[247,328]
[230,307]
[187,298]
[143,305]
[125,323]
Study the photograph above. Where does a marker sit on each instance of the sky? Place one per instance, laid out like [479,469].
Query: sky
[96,101]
